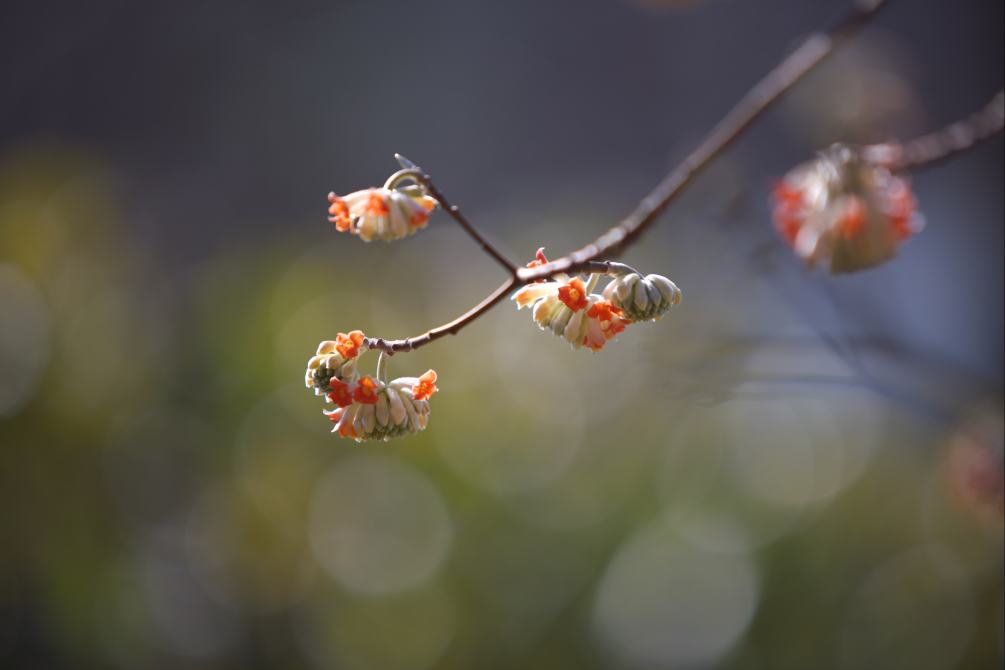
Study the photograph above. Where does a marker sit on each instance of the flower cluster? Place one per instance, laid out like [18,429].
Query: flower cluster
[381,213]
[367,408]
[844,213]
[567,308]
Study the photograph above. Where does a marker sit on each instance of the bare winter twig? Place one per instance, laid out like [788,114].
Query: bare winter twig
[765,93]
[419,175]
[944,143]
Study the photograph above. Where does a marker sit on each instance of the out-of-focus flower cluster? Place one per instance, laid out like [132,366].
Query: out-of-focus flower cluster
[844,213]
[567,308]
[381,213]
[367,408]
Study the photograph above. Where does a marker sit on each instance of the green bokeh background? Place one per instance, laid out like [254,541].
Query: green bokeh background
[787,471]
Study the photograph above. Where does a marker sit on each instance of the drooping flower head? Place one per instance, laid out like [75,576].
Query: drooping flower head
[381,411]
[381,213]
[365,407]
[569,310]
[844,213]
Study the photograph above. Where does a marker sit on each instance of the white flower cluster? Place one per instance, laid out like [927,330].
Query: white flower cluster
[568,309]
[380,411]
[367,408]
[381,213]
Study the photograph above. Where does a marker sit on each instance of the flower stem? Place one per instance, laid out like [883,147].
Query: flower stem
[382,368]
[415,172]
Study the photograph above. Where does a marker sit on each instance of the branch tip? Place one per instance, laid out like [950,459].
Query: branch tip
[405,163]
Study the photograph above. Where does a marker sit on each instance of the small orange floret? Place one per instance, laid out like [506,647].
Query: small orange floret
[418,219]
[902,207]
[851,222]
[539,260]
[573,294]
[341,393]
[335,415]
[346,430]
[338,213]
[376,205]
[366,391]
[609,316]
[426,386]
[788,210]
[348,344]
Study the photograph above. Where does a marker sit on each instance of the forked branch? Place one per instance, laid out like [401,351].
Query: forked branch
[765,93]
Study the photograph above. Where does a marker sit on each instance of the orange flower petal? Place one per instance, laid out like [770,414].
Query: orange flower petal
[338,213]
[418,219]
[426,386]
[341,393]
[348,344]
[366,391]
[853,218]
[376,205]
[788,211]
[573,294]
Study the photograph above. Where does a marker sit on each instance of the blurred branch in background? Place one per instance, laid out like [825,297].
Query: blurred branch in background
[943,144]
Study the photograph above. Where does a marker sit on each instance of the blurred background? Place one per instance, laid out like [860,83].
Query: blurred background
[788,471]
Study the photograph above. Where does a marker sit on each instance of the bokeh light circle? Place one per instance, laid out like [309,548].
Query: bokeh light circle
[663,602]
[915,612]
[378,526]
[24,339]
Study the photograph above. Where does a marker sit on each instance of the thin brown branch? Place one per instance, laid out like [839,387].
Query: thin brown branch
[765,93]
[944,143]
[408,344]
[427,181]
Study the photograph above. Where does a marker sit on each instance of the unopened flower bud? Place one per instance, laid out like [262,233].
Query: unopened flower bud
[642,298]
